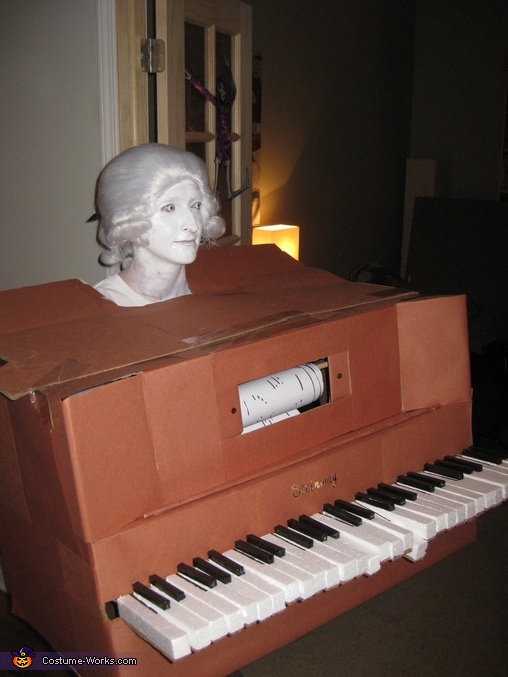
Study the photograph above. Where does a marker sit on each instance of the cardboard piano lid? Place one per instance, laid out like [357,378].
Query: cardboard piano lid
[266,269]
[46,304]
[229,268]
[64,331]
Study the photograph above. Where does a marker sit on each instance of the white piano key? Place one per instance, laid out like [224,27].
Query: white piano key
[230,612]
[446,509]
[404,537]
[198,630]
[326,573]
[501,467]
[387,543]
[305,581]
[418,550]
[364,552]
[458,492]
[453,512]
[258,602]
[166,637]
[466,505]
[493,479]
[416,546]
[351,562]
[275,593]
[493,495]
[242,596]
[365,561]
[475,501]
[423,508]
[270,573]
[496,475]
[218,624]
[420,524]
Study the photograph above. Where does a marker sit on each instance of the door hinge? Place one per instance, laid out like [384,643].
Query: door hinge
[153,56]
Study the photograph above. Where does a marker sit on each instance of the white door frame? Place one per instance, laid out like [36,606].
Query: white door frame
[108,81]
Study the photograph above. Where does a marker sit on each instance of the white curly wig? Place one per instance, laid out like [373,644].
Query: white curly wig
[128,188]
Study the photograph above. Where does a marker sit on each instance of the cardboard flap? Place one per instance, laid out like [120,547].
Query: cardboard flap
[55,354]
[63,331]
[228,268]
[46,304]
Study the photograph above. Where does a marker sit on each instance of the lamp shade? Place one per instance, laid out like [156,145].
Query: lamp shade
[285,237]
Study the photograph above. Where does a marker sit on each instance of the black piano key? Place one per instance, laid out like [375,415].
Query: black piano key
[166,587]
[444,472]
[307,530]
[482,455]
[492,446]
[386,496]
[416,483]
[453,465]
[473,465]
[436,481]
[359,510]
[212,570]
[226,562]
[377,502]
[276,550]
[329,531]
[196,575]
[150,595]
[398,491]
[254,551]
[343,515]
[298,539]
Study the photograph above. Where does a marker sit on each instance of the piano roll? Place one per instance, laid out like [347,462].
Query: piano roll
[278,394]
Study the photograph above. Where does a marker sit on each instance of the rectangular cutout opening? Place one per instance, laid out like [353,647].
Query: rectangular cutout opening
[276,397]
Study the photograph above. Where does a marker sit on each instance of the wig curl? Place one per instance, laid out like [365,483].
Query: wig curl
[130,185]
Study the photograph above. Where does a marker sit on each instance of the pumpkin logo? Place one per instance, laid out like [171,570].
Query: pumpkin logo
[23,657]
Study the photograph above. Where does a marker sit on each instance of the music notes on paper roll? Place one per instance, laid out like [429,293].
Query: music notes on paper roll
[273,398]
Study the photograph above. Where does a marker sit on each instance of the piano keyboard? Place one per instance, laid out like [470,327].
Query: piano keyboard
[210,599]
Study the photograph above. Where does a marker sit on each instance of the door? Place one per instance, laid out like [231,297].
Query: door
[212,40]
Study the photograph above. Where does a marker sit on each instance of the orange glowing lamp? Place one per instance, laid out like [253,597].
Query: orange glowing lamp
[285,237]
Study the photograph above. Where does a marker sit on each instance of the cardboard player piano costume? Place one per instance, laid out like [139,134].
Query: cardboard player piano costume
[124,453]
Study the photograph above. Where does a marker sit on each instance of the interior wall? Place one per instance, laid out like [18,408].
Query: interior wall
[336,114]
[49,141]
[461,57]
[338,123]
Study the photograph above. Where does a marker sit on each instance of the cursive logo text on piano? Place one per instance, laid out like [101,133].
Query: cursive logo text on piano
[299,489]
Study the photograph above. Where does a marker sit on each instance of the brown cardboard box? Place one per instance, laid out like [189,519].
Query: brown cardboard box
[122,449]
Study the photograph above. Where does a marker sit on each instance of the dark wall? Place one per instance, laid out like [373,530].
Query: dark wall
[337,84]
[342,112]
[460,73]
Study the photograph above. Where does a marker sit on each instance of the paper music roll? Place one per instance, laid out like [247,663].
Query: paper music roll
[279,393]
[270,421]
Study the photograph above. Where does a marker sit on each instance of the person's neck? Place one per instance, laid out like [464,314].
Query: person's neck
[156,283]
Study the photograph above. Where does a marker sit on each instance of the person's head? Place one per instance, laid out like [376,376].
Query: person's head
[129,188]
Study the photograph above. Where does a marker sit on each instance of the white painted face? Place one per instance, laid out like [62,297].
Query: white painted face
[177,224]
